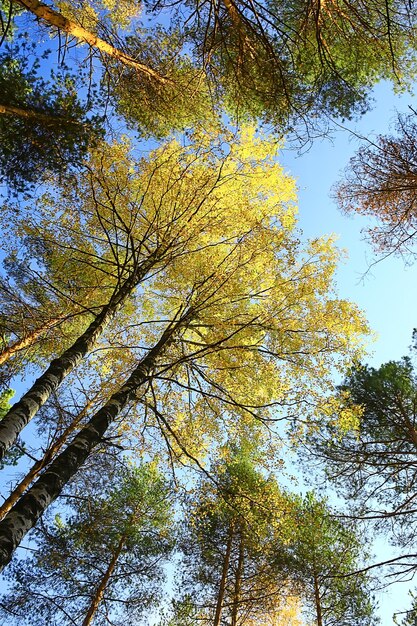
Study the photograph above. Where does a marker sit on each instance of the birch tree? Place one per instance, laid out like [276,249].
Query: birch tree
[56,423]
[241,303]
[116,223]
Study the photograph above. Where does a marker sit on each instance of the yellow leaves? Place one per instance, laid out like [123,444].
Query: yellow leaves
[87,16]
[288,612]
[122,12]
[88,13]
[218,217]
[342,413]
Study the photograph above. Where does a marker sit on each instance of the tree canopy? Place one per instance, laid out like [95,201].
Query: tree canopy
[172,334]
[104,559]
[213,321]
[380,181]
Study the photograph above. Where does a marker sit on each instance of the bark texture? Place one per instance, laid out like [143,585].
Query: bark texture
[38,466]
[23,411]
[47,488]
[317,601]
[56,19]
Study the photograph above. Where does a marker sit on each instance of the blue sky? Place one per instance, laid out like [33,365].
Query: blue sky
[386,290]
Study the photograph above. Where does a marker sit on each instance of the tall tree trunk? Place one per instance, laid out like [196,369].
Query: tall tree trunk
[47,488]
[38,466]
[317,600]
[23,411]
[234,15]
[410,426]
[56,19]
[223,580]
[238,579]
[28,340]
[30,114]
[98,596]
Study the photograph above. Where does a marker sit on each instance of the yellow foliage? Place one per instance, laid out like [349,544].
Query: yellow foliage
[286,613]
[218,216]
[89,13]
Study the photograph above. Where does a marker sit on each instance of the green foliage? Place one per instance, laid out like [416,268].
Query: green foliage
[325,554]
[409,617]
[8,12]
[182,612]
[13,455]
[152,108]
[229,542]
[265,544]
[130,520]
[376,463]
[52,132]
[294,63]
[5,397]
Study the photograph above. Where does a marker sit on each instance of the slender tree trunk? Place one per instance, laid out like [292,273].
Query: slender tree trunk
[234,14]
[38,466]
[56,19]
[238,579]
[409,424]
[30,114]
[28,340]
[23,411]
[317,600]
[98,596]
[223,580]
[49,485]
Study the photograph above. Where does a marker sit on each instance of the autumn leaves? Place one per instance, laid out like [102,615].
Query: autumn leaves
[197,245]
[167,304]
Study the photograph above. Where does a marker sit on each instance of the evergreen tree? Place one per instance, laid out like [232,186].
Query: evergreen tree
[234,520]
[45,127]
[102,560]
[325,555]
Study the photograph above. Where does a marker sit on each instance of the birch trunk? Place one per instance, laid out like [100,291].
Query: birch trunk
[23,411]
[56,19]
[28,340]
[223,580]
[47,488]
[98,596]
[38,466]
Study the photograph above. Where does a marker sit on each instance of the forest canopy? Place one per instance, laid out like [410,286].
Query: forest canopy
[172,336]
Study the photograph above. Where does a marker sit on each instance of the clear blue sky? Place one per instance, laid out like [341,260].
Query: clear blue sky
[386,292]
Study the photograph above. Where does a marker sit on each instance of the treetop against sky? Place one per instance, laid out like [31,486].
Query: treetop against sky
[169,308]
